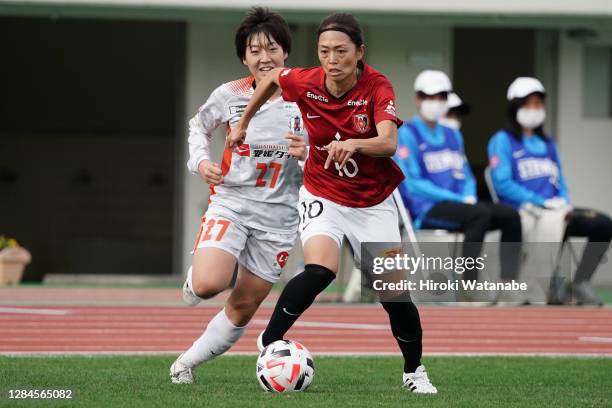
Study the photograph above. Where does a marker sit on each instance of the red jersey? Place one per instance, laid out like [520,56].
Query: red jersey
[364,181]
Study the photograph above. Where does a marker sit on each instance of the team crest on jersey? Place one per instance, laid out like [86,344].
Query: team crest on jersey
[361,122]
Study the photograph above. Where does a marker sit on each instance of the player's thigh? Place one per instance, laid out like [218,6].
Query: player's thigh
[248,293]
[321,230]
[212,271]
[219,245]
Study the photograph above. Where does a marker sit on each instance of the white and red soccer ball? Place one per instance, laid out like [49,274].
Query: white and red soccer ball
[285,366]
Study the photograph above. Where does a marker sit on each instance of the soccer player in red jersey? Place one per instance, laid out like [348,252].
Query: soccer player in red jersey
[350,115]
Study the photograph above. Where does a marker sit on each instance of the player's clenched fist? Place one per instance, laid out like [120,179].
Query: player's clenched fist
[210,172]
[340,152]
[297,146]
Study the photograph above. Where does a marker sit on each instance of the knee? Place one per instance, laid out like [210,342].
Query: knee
[482,216]
[206,291]
[241,311]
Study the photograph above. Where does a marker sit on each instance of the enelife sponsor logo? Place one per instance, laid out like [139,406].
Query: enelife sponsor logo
[316,97]
[360,102]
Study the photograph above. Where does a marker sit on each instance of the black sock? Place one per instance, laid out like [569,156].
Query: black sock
[297,296]
[406,328]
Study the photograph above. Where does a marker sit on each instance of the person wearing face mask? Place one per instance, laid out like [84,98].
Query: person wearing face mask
[457,110]
[439,190]
[527,174]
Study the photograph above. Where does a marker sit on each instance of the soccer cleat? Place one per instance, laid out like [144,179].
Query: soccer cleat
[418,382]
[188,296]
[180,373]
[584,295]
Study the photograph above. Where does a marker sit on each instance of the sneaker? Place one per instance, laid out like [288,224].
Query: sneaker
[559,291]
[418,382]
[188,296]
[180,373]
[584,295]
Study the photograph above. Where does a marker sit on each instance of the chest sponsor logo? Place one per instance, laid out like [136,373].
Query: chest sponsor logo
[535,167]
[273,151]
[359,102]
[316,97]
[443,160]
[361,123]
[237,109]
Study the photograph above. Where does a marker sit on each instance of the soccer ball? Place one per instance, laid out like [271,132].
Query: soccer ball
[285,366]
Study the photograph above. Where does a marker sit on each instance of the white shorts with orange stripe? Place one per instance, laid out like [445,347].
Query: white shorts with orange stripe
[261,252]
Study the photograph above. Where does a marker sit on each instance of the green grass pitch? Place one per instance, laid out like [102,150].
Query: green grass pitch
[339,381]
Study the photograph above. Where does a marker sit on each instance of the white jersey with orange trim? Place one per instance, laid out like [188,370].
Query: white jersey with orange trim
[260,179]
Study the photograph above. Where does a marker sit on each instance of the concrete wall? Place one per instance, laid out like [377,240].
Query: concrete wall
[585,143]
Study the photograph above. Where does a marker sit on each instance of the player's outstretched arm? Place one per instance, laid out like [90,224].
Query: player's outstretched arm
[264,91]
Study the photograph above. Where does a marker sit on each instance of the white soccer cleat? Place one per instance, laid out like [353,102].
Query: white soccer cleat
[180,373]
[418,382]
[260,345]
[188,296]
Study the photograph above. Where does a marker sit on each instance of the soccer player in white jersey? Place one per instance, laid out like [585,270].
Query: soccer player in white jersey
[252,217]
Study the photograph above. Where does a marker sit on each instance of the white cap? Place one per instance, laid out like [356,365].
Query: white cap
[453,100]
[524,86]
[432,82]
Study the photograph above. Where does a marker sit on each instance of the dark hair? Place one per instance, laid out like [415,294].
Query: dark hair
[261,20]
[514,128]
[343,22]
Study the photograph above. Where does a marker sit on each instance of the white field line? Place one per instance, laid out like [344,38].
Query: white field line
[324,354]
[595,339]
[34,311]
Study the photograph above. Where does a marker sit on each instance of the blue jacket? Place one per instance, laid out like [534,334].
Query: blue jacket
[435,166]
[525,171]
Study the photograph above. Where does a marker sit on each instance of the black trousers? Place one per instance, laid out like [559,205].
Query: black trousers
[474,220]
[597,228]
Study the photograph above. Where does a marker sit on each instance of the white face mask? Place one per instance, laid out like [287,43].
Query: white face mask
[450,122]
[530,118]
[432,110]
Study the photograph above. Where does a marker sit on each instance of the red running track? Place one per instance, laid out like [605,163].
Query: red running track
[323,328]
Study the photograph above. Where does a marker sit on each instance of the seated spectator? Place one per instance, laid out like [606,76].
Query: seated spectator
[440,190]
[527,175]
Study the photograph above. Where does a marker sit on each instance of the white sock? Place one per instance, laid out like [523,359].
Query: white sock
[219,336]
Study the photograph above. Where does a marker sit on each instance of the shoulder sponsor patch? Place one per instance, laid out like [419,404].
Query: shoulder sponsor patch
[237,109]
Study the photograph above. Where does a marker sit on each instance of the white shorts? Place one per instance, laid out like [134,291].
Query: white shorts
[319,216]
[261,252]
